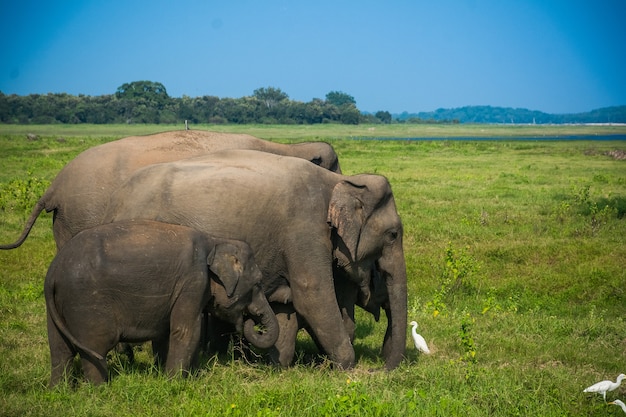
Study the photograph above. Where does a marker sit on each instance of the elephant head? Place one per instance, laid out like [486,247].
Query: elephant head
[236,291]
[319,153]
[367,236]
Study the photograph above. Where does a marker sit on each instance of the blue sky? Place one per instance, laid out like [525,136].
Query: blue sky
[557,56]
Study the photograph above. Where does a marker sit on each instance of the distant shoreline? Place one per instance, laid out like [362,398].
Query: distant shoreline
[618,137]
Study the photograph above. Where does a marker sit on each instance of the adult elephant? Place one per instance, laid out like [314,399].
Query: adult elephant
[79,193]
[302,222]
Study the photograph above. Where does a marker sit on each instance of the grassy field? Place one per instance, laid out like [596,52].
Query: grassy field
[515,254]
[328,131]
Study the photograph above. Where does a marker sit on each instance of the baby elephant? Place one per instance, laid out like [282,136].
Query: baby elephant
[136,281]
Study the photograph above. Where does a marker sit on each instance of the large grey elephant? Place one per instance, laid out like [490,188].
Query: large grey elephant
[79,193]
[142,280]
[302,222]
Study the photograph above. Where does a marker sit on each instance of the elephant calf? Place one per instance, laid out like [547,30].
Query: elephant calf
[141,280]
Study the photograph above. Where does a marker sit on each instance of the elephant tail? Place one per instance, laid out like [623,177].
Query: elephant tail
[39,207]
[60,323]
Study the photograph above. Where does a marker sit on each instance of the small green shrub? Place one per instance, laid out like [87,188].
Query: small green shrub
[458,268]
[353,400]
[22,194]
[467,339]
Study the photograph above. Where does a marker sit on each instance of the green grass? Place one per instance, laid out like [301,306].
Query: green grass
[323,131]
[515,254]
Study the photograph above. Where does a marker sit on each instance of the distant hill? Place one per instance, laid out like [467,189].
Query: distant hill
[489,114]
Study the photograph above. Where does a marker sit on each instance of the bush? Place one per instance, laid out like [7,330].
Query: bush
[22,194]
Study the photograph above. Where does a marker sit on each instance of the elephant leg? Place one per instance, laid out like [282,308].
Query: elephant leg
[204,331]
[160,349]
[61,354]
[314,298]
[100,334]
[349,323]
[347,294]
[283,351]
[95,370]
[184,342]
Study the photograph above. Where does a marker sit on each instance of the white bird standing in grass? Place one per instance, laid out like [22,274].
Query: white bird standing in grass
[621,404]
[603,386]
[419,341]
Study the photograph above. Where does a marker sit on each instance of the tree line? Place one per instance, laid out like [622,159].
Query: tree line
[507,115]
[148,102]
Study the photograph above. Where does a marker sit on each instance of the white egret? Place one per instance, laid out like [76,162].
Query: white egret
[419,341]
[603,386]
[621,404]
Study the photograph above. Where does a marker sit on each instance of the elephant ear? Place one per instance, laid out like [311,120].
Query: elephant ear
[224,262]
[345,213]
[317,159]
[352,203]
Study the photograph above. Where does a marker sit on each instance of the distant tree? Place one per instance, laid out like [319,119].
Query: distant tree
[142,101]
[270,96]
[339,98]
[185,109]
[238,110]
[150,91]
[369,118]
[314,111]
[5,108]
[383,116]
[205,107]
[349,114]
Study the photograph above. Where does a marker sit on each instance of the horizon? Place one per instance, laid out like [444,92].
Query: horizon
[560,57]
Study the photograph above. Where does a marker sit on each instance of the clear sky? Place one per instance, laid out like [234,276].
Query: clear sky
[557,56]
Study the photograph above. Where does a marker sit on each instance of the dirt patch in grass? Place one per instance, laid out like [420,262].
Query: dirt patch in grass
[617,154]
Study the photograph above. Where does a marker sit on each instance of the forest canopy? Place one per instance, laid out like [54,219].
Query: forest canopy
[148,102]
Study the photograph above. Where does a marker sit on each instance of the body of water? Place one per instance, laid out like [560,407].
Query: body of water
[506,138]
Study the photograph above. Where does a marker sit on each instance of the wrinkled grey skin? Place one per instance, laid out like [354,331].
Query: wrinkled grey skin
[79,193]
[142,280]
[301,221]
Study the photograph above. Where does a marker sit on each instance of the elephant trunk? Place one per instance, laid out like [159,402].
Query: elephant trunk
[393,266]
[263,315]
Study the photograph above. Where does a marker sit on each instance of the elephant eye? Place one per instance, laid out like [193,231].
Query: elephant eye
[392,235]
